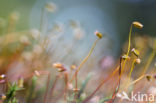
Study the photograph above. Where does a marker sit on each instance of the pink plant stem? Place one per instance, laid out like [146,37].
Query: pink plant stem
[115,92]
[66,84]
[53,87]
[60,95]
[100,85]
[64,90]
[118,83]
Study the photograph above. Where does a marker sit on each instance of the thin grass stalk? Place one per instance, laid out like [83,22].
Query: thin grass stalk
[129,46]
[124,63]
[121,70]
[118,83]
[64,91]
[47,87]
[135,81]
[66,85]
[86,58]
[60,95]
[53,87]
[115,92]
[83,62]
[132,68]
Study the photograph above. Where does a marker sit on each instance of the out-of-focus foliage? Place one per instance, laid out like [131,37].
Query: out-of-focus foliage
[32,70]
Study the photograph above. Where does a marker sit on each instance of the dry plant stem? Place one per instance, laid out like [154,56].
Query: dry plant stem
[130,73]
[53,87]
[60,95]
[129,46]
[149,61]
[100,85]
[64,91]
[118,83]
[132,68]
[124,63]
[84,60]
[135,81]
[115,92]
[82,63]
[47,86]
[123,67]
[66,85]
[76,80]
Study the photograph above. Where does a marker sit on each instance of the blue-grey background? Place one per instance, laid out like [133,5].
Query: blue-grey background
[111,17]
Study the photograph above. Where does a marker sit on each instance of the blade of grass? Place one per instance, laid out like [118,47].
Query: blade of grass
[31,89]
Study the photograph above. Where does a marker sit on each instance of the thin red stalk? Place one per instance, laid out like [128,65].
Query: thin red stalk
[65,89]
[100,85]
[60,95]
[75,86]
[115,92]
[53,87]
[76,80]
[118,83]
[66,83]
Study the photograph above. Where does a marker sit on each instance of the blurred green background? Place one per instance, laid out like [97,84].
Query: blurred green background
[143,10]
[24,7]
[122,12]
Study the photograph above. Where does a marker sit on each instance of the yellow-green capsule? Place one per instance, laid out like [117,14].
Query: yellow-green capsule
[98,34]
[137,24]
[148,77]
[136,52]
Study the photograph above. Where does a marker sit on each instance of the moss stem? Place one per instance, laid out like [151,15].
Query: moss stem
[129,46]
[132,68]
[101,84]
[84,60]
